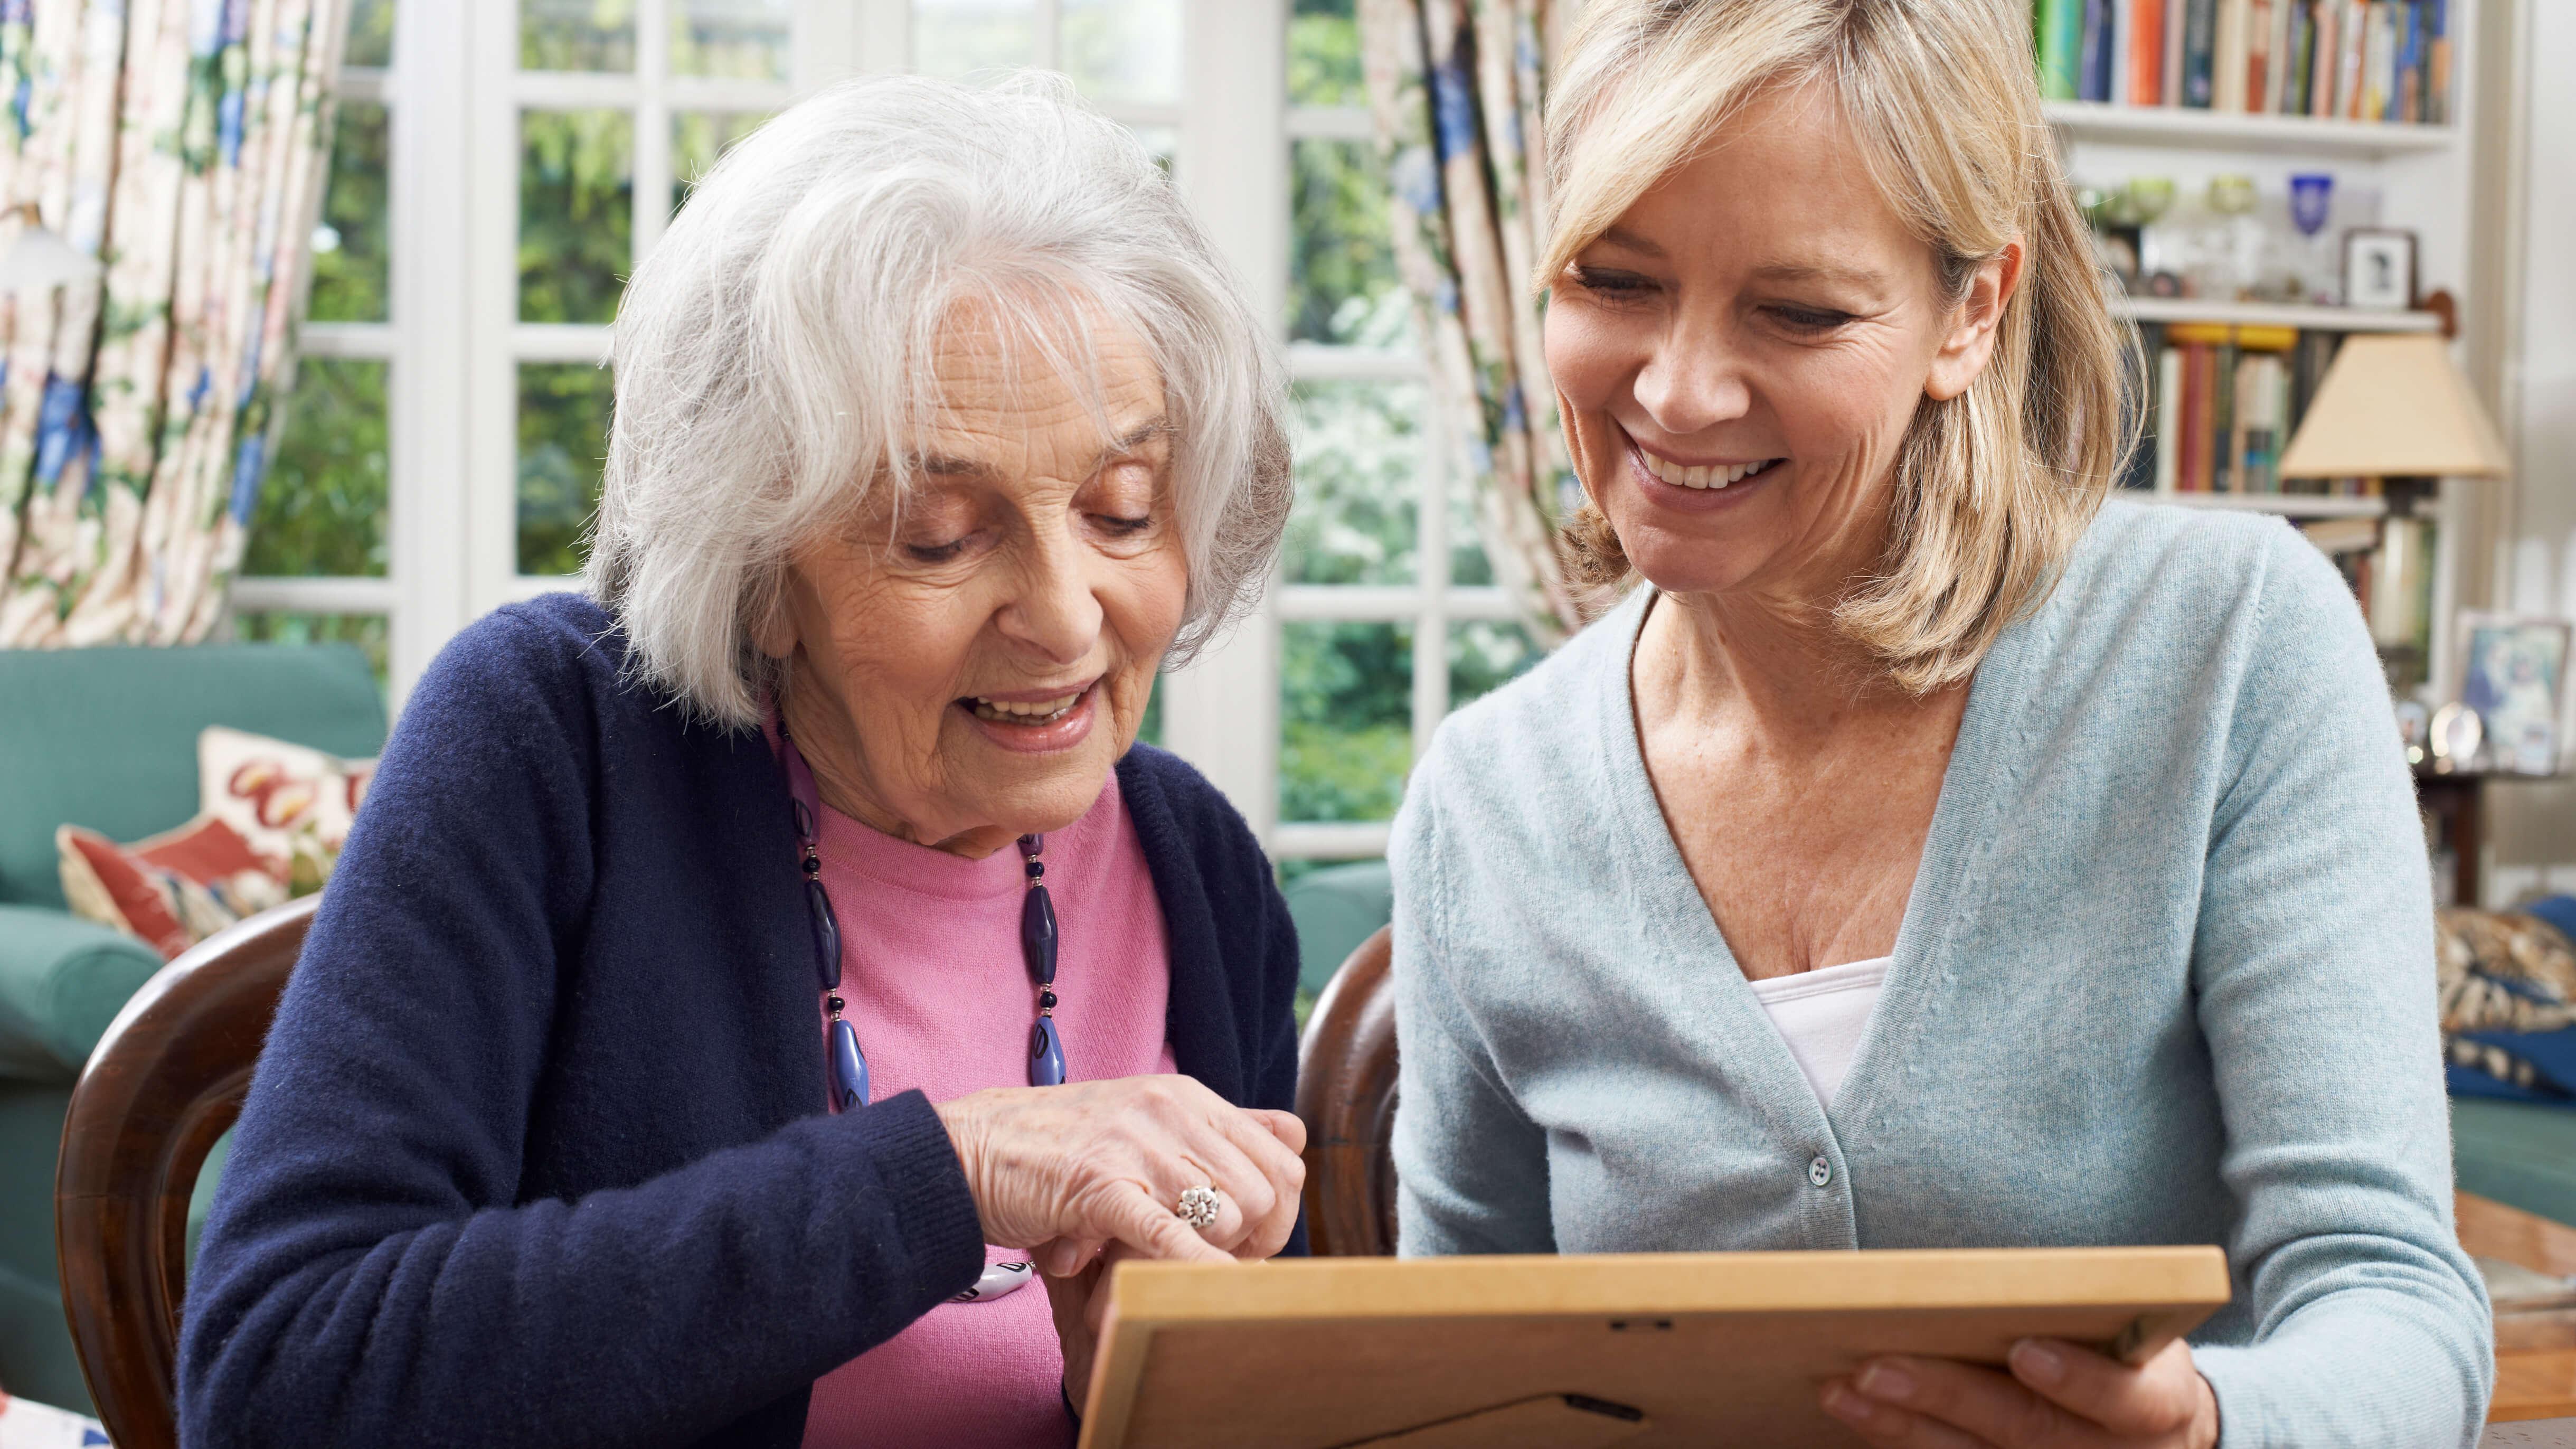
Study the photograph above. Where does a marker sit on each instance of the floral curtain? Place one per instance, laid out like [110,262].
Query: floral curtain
[182,144]
[1456,87]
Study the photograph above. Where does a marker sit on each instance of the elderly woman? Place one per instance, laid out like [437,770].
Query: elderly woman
[1927,854]
[739,974]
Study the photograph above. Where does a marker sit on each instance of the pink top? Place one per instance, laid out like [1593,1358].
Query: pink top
[931,972]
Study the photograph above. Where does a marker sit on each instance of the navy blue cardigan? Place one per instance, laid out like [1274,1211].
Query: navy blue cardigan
[535,1153]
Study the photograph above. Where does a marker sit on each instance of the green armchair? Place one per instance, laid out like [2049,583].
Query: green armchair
[107,738]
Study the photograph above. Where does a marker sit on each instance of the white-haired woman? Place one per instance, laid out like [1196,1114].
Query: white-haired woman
[740,973]
[1927,854]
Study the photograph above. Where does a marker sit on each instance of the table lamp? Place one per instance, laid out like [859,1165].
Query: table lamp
[2395,407]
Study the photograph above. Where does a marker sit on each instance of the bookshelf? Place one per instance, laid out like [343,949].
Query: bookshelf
[2221,130]
[2411,175]
[2273,314]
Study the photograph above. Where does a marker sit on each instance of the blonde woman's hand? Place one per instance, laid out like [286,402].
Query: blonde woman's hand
[2056,1396]
[1066,1170]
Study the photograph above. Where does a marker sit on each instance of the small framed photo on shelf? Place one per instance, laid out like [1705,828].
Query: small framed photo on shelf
[2513,673]
[2379,269]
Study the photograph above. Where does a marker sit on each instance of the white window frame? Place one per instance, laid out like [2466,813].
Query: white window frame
[453,343]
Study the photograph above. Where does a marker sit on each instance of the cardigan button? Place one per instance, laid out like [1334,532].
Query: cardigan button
[1820,1171]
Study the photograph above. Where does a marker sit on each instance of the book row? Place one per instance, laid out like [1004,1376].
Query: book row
[2363,60]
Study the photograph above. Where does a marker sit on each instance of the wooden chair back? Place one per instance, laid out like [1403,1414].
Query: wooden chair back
[165,1082]
[1346,1094]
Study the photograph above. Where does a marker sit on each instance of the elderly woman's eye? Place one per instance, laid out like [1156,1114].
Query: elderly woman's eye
[1122,526]
[934,552]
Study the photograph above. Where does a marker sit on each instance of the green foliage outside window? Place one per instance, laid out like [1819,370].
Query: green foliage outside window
[1346,719]
[1324,55]
[368,631]
[1342,282]
[563,437]
[592,35]
[576,213]
[321,510]
[371,34]
[350,280]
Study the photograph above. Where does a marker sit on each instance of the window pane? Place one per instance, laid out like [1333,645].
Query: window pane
[1346,720]
[576,213]
[698,140]
[322,507]
[1342,284]
[1486,654]
[1358,447]
[563,435]
[1324,55]
[278,626]
[1467,561]
[955,37]
[371,33]
[577,35]
[349,278]
[740,39]
[1123,50]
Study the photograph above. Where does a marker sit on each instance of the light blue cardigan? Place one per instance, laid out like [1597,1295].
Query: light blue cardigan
[2166,976]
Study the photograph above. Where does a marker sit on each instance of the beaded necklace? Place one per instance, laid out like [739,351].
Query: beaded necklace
[846,1067]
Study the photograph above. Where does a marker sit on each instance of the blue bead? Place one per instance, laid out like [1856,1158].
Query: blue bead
[1046,1054]
[1037,935]
[849,1069]
[827,934]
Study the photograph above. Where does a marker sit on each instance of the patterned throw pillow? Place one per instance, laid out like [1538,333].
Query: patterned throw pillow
[173,890]
[2507,982]
[291,804]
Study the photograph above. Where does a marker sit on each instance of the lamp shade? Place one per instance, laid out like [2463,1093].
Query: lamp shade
[2395,406]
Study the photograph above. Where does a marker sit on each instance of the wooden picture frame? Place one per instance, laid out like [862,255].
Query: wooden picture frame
[1636,1349]
[2379,269]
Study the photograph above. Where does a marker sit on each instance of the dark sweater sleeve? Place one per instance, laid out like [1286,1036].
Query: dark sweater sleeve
[373,1272]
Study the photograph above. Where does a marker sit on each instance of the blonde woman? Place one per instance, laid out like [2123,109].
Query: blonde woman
[1926,853]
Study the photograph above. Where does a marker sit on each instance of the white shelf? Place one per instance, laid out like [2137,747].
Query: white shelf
[2274,314]
[2182,126]
[2288,505]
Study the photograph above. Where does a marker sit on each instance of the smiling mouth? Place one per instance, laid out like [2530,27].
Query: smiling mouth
[1017,712]
[1718,475]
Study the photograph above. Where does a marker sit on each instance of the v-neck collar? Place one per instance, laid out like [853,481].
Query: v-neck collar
[1945,893]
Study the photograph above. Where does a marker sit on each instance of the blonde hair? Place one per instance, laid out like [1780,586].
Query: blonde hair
[1994,486]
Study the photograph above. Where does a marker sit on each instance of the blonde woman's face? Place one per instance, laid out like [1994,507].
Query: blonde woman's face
[975,661]
[1744,351]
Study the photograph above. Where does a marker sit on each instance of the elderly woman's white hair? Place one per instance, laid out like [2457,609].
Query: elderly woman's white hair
[774,352]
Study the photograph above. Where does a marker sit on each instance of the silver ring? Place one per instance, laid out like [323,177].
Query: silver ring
[1198,1207]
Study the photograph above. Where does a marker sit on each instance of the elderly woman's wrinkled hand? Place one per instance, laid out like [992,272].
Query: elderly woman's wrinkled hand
[1066,1170]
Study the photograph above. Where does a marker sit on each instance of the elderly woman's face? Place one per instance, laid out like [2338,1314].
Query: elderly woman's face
[986,648]
[1745,349]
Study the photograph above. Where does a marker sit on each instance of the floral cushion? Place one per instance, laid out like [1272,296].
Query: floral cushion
[173,890]
[292,805]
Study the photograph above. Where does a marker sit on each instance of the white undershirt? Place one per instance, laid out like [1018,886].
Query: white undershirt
[1821,1014]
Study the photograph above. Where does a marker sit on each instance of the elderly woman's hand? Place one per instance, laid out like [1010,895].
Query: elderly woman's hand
[2057,1396]
[1065,1170]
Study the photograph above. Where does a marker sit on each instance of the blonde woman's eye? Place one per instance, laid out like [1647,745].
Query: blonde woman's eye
[1811,319]
[1603,282]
